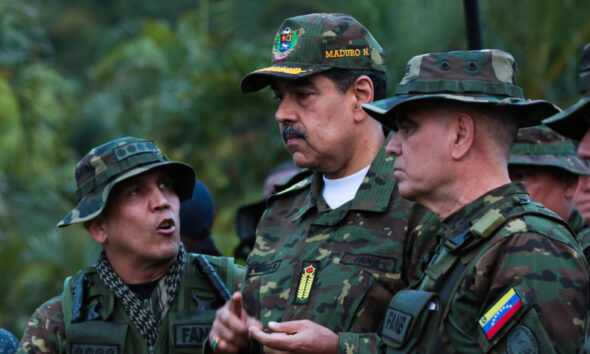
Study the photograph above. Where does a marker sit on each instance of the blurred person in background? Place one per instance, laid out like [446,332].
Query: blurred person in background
[547,163]
[196,220]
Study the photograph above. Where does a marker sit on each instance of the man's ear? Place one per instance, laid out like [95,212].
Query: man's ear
[363,91]
[569,184]
[96,229]
[463,134]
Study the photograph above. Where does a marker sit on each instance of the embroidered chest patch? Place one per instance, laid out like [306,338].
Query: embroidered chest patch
[307,276]
[499,314]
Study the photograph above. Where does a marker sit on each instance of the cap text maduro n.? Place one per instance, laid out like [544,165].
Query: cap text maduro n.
[313,43]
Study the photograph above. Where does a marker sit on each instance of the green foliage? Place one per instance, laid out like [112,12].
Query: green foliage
[74,74]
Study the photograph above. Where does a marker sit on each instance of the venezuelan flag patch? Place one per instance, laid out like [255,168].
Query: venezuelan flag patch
[499,314]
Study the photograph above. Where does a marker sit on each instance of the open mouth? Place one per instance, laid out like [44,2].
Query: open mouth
[166,226]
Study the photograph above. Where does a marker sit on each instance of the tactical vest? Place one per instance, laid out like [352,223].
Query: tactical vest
[96,323]
[414,318]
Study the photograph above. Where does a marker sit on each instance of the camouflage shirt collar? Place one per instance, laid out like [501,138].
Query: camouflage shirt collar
[378,182]
[499,198]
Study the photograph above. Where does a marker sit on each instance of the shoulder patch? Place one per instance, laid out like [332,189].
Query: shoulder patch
[500,312]
[522,340]
[296,186]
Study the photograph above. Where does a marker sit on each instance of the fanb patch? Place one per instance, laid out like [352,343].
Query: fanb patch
[307,277]
[285,43]
[499,314]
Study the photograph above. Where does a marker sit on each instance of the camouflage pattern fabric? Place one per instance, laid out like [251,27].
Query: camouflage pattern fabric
[541,146]
[104,166]
[309,44]
[573,121]
[485,77]
[46,331]
[338,268]
[582,232]
[536,257]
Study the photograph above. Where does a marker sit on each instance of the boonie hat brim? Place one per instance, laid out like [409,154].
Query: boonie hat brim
[527,112]
[571,122]
[261,78]
[93,203]
[574,166]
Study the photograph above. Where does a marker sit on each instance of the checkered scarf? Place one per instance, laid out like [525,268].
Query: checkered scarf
[147,318]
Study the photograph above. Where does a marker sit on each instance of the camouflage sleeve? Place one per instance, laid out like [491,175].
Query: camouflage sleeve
[349,343]
[584,239]
[526,292]
[45,332]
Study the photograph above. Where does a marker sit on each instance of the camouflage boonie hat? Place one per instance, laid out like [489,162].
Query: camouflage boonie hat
[573,122]
[115,161]
[310,44]
[484,76]
[541,146]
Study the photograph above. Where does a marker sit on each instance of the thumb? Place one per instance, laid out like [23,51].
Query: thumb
[290,327]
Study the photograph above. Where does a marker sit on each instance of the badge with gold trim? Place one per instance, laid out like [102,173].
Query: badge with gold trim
[307,277]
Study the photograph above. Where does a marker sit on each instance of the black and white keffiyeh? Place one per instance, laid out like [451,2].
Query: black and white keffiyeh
[146,318]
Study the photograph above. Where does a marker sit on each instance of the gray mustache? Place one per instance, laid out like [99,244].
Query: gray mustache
[289,131]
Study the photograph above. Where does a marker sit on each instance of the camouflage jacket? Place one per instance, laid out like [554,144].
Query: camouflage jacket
[183,330]
[582,231]
[337,268]
[529,263]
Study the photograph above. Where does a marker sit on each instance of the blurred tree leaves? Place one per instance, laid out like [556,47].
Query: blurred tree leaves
[74,74]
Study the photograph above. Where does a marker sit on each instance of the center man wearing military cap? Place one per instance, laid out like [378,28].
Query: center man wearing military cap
[329,248]
[145,294]
[507,275]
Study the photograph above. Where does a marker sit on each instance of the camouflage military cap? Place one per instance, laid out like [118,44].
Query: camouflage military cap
[105,166]
[484,76]
[310,44]
[573,122]
[541,146]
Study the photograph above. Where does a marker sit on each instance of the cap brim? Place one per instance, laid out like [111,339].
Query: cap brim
[261,78]
[92,204]
[571,122]
[527,112]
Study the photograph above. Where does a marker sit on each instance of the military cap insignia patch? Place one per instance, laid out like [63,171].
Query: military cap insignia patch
[307,276]
[285,43]
[499,314]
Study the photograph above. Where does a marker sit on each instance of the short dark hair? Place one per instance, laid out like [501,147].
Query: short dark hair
[343,78]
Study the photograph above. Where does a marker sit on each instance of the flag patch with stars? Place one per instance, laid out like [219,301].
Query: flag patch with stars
[497,316]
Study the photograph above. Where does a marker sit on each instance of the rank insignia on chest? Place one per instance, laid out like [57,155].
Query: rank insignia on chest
[500,313]
[307,276]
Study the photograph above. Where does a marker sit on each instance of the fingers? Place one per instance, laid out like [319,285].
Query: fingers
[229,331]
[235,304]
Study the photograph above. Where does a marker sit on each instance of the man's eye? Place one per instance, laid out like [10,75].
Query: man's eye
[303,94]
[278,97]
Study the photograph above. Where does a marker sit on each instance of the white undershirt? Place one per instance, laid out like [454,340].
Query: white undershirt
[341,190]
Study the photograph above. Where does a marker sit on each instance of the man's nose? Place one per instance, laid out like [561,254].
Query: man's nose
[394,146]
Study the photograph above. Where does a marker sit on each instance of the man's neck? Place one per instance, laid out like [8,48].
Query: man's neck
[138,273]
[464,191]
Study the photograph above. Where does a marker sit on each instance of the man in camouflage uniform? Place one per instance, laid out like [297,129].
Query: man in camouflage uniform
[574,123]
[328,253]
[507,276]
[547,163]
[145,294]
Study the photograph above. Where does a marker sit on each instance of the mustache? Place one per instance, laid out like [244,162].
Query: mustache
[290,131]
